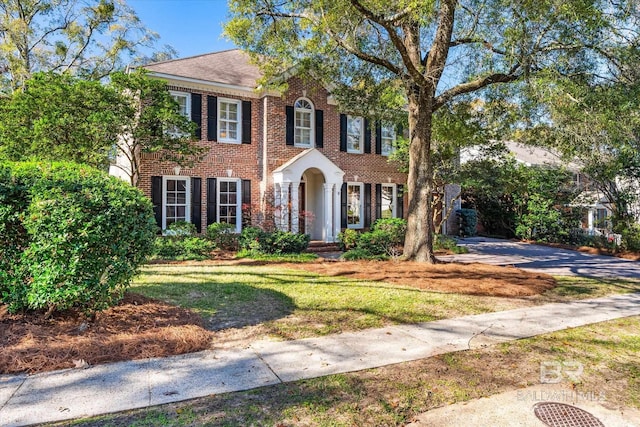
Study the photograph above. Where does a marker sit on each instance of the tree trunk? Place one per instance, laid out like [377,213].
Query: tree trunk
[419,239]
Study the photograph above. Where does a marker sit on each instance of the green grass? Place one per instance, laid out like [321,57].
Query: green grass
[295,304]
[258,256]
[581,287]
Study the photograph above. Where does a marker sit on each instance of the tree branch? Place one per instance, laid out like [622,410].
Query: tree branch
[399,44]
[474,85]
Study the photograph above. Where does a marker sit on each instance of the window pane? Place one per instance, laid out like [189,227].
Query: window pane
[171,185]
[171,212]
[181,185]
[232,186]
[181,212]
[181,198]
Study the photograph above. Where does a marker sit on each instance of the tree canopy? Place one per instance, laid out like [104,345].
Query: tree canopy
[58,117]
[421,55]
[89,38]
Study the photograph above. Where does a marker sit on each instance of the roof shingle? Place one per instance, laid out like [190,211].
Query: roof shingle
[231,67]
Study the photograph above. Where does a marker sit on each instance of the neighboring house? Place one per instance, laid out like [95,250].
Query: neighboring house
[294,158]
[596,213]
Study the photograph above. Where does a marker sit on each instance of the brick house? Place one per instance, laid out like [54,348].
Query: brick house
[293,158]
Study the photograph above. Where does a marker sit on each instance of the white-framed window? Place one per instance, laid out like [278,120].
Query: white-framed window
[388,201]
[355,134]
[355,205]
[303,129]
[388,139]
[230,202]
[229,120]
[176,200]
[184,101]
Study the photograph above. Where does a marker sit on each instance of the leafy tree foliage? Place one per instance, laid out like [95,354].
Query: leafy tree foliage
[89,38]
[596,125]
[72,236]
[63,118]
[150,122]
[381,56]
[59,117]
[512,199]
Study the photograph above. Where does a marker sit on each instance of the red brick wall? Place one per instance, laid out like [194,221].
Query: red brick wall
[246,159]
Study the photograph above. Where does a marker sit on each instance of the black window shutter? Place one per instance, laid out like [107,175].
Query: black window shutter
[156,198]
[246,122]
[196,113]
[343,206]
[289,124]
[378,138]
[367,136]
[367,205]
[212,197]
[212,118]
[399,131]
[378,201]
[343,132]
[400,202]
[319,129]
[246,202]
[196,203]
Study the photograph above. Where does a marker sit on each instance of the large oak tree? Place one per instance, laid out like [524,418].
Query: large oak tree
[433,52]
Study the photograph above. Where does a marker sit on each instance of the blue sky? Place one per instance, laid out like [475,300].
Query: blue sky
[192,27]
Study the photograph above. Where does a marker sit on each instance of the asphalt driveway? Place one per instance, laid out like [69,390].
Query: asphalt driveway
[545,259]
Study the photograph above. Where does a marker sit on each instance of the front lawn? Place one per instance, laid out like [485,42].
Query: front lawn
[282,302]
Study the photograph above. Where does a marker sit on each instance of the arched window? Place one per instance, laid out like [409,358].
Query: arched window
[303,132]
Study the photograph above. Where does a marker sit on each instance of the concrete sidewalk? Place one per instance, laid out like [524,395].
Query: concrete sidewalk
[76,393]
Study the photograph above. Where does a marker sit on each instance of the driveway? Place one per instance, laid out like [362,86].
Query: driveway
[560,262]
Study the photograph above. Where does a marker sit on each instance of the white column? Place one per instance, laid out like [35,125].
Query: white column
[295,207]
[336,211]
[590,219]
[277,210]
[284,206]
[327,230]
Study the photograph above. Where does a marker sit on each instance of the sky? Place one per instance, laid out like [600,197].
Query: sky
[192,27]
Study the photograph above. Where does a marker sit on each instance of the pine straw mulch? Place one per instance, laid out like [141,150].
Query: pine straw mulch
[137,328]
[470,279]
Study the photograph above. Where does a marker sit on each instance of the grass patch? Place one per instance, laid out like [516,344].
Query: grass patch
[259,256]
[393,395]
[293,304]
[570,287]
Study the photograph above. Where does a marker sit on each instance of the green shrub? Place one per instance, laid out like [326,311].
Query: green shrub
[630,237]
[377,242]
[467,222]
[357,254]
[249,238]
[180,229]
[282,242]
[183,248]
[442,242]
[395,228]
[347,239]
[223,235]
[72,237]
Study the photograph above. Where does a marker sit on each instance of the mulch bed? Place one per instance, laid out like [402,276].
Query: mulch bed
[137,328]
[470,279]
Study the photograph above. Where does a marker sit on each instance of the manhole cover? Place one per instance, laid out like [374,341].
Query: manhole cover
[556,414]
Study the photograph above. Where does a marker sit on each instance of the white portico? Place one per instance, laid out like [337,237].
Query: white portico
[307,195]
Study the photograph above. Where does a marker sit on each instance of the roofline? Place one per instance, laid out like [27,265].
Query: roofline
[202,82]
[190,57]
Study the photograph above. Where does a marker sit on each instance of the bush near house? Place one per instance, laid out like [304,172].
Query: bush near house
[180,242]
[384,240]
[254,239]
[70,236]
